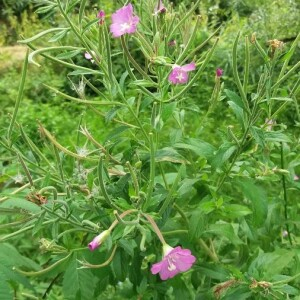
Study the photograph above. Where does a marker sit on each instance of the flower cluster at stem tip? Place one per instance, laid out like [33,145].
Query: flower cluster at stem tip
[124,21]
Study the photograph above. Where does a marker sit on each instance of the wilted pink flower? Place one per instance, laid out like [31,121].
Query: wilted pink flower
[175,260]
[123,21]
[219,72]
[270,123]
[160,8]
[89,55]
[172,43]
[179,75]
[98,240]
[296,177]
[101,17]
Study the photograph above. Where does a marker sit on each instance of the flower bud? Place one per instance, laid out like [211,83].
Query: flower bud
[98,240]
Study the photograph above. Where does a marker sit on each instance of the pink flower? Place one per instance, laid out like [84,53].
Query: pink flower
[101,17]
[296,177]
[175,260]
[160,8]
[123,21]
[179,75]
[219,72]
[98,240]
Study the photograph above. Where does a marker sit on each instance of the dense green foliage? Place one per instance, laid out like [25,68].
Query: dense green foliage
[89,144]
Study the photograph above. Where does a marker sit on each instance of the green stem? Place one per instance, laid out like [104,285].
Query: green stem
[286,280]
[172,191]
[247,64]
[132,60]
[190,41]
[155,228]
[46,270]
[102,186]
[182,214]
[107,262]
[285,195]
[152,172]
[26,170]
[122,215]
[134,178]
[19,97]
[236,75]
[210,253]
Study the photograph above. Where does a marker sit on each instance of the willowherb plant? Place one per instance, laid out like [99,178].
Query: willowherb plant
[149,196]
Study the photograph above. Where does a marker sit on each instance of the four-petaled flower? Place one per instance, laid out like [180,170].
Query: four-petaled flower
[98,240]
[179,75]
[160,8]
[101,17]
[123,21]
[175,260]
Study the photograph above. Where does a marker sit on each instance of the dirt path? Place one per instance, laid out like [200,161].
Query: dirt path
[11,55]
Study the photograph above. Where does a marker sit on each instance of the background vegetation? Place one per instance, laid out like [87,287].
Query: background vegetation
[271,251]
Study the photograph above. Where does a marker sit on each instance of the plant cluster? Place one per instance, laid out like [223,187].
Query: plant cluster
[157,202]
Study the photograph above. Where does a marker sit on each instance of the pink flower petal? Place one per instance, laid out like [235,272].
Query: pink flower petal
[156,268]
[189,67]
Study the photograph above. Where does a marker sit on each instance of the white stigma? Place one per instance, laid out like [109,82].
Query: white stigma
[180,76]
[125,26]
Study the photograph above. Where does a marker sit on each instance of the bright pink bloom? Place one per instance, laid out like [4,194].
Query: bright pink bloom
[101,17]
[219,72]
[123,21]
[98,240]
[175,260]
[179,75]
[160,8]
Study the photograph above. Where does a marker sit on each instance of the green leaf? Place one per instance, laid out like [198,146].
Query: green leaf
[197,224]
[276,136]
[68,54]
[78,283]
[6,293]
[224,230]
[58,36]
[199,147]
[236,211]
[120,264]
[258,198]
[180,289]
[169,154]
[44,9]
[23,204]
[10,257]
[128,245]
[144,83]
[235,98]
[259,135]
[238,111]
[267,265]
[223,154]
